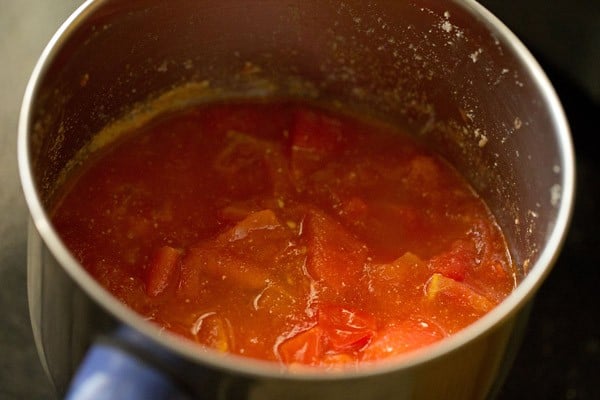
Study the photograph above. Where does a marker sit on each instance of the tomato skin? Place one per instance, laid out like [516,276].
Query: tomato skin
[346,330]
[338,334]
[335,256]
[160,270]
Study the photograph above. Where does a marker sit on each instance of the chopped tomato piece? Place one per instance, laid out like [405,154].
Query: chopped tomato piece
[438,285]
[334,256]
[346,330]
[455,263]
[265,219]
[398,269]
[306,347]
[161,267]
[240,273]
[405,336]
[213,263]
[190,278]
[386,221]
[214,331]
[279,301]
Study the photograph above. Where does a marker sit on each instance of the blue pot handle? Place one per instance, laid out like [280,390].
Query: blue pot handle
[126,366]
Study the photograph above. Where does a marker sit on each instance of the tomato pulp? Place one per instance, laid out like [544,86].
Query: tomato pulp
[286,232]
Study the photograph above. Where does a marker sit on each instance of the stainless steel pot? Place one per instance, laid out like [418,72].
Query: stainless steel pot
[449,71]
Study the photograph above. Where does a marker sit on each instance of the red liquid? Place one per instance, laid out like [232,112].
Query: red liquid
[286,232]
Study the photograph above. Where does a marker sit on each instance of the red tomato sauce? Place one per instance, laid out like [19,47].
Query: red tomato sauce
[286,232]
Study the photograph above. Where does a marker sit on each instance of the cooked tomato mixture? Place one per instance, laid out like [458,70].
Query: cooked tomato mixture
[286,232]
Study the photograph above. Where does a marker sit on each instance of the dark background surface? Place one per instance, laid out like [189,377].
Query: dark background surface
[560,355]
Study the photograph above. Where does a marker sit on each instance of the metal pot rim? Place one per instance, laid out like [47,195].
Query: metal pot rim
[502,313]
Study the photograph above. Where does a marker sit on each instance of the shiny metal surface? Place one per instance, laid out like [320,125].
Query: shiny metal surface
[447,70]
